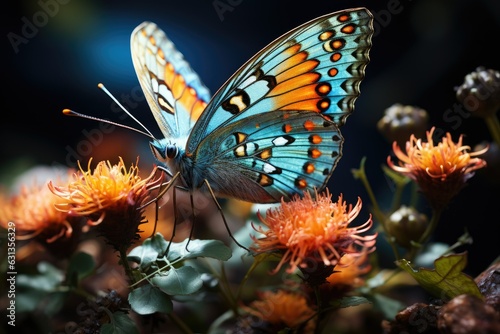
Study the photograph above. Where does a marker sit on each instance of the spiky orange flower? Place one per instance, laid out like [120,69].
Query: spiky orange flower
[110,196]
[283,309]
[33,213]
[350,269]
[306,229]
[439,170]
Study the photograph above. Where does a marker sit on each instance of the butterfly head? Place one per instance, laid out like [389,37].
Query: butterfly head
[164,150]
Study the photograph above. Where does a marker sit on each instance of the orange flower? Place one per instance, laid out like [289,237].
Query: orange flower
[110,197]
[307,229]
[32,210]
[440,170]
[350,268]
[283,309]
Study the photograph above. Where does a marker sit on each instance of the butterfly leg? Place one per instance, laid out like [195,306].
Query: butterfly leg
[174,200]
[191,233]
[222,215]
[163,191]
[159,196]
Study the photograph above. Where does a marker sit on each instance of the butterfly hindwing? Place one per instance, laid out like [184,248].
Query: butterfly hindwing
[174,92]
[316,67]
[265,157]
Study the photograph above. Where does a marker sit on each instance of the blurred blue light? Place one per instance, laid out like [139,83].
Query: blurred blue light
[106,55]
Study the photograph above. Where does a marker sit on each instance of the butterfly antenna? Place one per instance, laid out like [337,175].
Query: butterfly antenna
[69,112]
[105,90]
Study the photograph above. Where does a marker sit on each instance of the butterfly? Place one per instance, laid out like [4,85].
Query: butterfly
[272,130]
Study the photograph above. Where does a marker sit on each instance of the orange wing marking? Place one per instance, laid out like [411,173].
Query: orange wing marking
[309,167]
[300,98]
[301,183]
[348,29]
[333,72]
[336,57]
[344,18]
[314,153]
[326,35]
[309,125]
[265,154]
[315,139]
[265,180]
[287,128]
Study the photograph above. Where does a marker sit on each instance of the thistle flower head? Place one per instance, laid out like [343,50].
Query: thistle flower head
[110,197]
[282,309]
[440,170]
[32,209]
[350,269]
[307,229]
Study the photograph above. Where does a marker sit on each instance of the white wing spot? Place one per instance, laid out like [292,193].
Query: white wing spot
[280,141]
[268,168]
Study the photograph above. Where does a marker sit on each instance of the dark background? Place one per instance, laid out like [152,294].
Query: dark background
[421,51]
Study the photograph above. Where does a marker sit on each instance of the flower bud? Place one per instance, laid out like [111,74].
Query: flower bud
[480,92]
[400,121]
[406,224]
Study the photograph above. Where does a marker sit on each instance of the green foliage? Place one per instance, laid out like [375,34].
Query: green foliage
[168,272]
[349,301]
[120,324]
[81,265]
[48,289]
[447,279]
[148,299]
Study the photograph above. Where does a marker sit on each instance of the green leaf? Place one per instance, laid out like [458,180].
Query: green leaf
[447,279]
[182,281]
[120,324]
[54,302]
[359,173]
[148,252]
[398,178]
[147,300]
[28,301]
[159,243]
[388,306]
[349,301]
[199,248]
[46,302]
[80,265]
[217,326]
[49,278]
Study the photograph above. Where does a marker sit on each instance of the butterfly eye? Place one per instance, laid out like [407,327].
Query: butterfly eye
[171,151]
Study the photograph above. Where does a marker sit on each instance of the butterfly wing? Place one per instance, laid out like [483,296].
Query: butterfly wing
[174,92]
[272,130]
[315,67]
[268,156]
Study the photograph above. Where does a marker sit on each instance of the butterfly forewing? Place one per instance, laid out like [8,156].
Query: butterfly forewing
[316,67]
[174,92]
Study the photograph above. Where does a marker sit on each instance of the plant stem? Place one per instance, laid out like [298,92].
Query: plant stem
[360,173]
[494,127]
[398,194]
[180,324]
[126,266]
[379,215]
[227,293]
[436,215]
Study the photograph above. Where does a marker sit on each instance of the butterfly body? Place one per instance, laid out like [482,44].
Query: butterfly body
[272,130]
